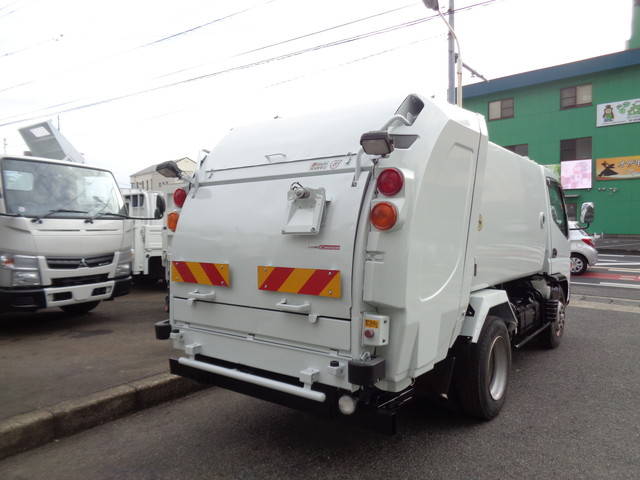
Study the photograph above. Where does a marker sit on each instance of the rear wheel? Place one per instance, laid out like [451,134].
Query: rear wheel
[579,264]
[79,308]
[483,371]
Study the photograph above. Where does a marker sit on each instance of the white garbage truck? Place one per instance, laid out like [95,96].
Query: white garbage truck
[65,236]
[345,262]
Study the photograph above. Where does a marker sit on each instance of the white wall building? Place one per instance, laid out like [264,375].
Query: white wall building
[149,179]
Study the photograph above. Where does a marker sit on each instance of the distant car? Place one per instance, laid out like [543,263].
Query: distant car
[583,249]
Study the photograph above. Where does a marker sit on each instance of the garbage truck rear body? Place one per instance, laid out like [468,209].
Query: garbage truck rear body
[312,272]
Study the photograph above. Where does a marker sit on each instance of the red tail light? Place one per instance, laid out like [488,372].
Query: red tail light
[589,242]
[179,196]
[390,181]
[384,215]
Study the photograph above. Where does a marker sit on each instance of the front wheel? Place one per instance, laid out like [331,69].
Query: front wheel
[579,264]
[79,308]
[483,371]
[555,313]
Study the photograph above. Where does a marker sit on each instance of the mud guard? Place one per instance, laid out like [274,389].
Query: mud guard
[480,304]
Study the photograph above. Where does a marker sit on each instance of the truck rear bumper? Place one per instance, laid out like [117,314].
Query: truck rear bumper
[326,407]
[374,416]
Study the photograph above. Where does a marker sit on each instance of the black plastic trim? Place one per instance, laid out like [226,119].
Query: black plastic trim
[22,300]
[121,286]
[163,329]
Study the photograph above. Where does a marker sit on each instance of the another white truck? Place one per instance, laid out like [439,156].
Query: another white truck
[65,237]
[314,273]
[148,245]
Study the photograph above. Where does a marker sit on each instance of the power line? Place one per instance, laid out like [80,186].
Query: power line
[144,45]
[231,69]
[358,59]
[289,40]
[57,38]
[198,27]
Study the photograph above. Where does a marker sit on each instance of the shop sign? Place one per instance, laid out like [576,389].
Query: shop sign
[618,168]
[575,174]
[616,113]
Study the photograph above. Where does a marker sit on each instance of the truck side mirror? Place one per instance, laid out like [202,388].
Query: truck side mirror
[161,206]
[587,213]
[169,169]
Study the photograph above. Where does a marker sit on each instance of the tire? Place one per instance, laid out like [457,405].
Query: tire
[483,371]
[579,264]
[555,310]
[79,308]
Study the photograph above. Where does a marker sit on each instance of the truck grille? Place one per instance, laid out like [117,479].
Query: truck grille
[76,262]
[84,280]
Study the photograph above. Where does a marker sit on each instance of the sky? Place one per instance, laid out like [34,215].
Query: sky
[134,83]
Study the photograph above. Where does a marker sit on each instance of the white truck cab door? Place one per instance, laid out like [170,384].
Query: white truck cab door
[558,231]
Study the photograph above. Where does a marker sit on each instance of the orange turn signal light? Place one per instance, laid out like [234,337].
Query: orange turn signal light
[384,215]
[172,221]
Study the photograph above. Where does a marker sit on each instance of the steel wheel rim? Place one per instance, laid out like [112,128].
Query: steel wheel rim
[497,368]
[576,264]
[559,323]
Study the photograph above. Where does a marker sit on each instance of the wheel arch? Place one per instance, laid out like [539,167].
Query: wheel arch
[482,304]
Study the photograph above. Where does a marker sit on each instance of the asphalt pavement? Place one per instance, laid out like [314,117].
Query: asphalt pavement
[615,275]
[50,356]
[570,413]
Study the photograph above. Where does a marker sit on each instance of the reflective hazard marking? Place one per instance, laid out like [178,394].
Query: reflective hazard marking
[305,281]
[201,273]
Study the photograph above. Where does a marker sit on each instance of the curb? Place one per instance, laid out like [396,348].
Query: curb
[30,430]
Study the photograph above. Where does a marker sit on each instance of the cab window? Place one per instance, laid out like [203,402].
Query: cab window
[556,201]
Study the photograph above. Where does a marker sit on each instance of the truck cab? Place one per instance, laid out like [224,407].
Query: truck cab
[66,240]
[148,246]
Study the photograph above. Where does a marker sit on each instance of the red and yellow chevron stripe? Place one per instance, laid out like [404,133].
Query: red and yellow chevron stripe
[305,281]
[201,273]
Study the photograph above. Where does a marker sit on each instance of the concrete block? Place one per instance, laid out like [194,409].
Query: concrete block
[161,388]
[23,432]
[79,414]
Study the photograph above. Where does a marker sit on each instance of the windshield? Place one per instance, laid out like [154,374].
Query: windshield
[38,189]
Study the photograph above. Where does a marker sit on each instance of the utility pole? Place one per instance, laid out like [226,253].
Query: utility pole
[451,92]
[453,58]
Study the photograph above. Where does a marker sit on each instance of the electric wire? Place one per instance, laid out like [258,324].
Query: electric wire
[203,25]
[129,50]
[300,37]
[231,69]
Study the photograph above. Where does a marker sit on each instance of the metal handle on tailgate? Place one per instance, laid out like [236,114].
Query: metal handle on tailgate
[285,307]
[196,295]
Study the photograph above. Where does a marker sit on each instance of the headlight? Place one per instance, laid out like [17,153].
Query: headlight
[19,270]
[123,269]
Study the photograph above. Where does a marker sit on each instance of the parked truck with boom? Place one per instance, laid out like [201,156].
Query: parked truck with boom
[313,271]
[65,235]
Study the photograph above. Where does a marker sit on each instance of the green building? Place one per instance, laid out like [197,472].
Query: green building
[581,118]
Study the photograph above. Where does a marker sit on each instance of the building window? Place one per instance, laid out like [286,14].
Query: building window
[501,109]
[575,149]
[522,149]
[579,96]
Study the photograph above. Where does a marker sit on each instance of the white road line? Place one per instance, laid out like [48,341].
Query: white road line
[586,298]
[618,264]
[606,284]
[623,270]
[605,306]
[614,245]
